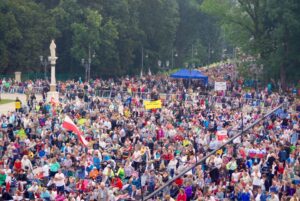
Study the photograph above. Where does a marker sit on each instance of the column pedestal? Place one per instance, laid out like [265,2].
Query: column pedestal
[18,76]
[52,87]
[53,96]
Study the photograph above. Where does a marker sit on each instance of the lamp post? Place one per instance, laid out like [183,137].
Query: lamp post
[194,53]
[173,55]
[162,66]
[210,52]
[167,64]
[224,54]
[142,60]
[159,63]
[146,59]
[86,63]
[190,68]
[44,62]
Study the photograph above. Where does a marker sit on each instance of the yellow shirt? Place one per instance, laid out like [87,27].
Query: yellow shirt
[186,143]
[18,104]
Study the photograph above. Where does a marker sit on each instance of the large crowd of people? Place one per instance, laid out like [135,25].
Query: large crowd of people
[132,151]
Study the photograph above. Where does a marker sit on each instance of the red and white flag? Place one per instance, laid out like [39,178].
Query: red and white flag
[222,135]
[69,125]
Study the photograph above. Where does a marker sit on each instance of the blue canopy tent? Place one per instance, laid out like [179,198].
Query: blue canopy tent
[190,74]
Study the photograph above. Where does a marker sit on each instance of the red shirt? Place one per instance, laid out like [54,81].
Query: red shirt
[179,182]
[116,182]
[280,169]
[18,165]
[167,157]
[181,197]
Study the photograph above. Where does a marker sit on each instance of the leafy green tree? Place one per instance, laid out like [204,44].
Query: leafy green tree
[116,31]
[266,29]
[25,28]
[124,14]
[197,33]
[158,19]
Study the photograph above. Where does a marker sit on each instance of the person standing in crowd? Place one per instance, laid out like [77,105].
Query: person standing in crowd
[18,104]
[59,180]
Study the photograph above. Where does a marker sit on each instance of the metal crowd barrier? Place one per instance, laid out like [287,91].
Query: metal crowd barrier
[20,89]
[123,95]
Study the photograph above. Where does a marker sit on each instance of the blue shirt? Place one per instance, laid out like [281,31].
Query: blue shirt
[97,162]
[206,123]
[263,197]
[244,196]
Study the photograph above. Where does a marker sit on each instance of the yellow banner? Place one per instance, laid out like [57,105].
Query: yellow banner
[152,104]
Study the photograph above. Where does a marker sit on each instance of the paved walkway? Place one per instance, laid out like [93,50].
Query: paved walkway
[4,108]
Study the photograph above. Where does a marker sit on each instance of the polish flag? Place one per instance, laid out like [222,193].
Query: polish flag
[256,153]
[222,135]
[69,125]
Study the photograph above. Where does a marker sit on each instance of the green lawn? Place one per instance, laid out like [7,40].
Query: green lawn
[4,101]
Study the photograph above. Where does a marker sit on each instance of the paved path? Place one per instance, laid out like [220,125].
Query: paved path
[4,108]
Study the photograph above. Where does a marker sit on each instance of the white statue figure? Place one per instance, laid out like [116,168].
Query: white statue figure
[52,49]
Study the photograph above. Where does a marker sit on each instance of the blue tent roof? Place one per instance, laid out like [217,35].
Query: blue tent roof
[190,74]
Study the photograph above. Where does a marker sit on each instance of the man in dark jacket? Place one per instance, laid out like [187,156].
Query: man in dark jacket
[174,190]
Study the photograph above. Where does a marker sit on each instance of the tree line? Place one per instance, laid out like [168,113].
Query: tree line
[268,30]
[115,34]
[122,36]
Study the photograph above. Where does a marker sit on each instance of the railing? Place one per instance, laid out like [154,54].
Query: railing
[20,89]
[123,95]
[41,75]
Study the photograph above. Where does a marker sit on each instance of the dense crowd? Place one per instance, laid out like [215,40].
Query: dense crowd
[132,151]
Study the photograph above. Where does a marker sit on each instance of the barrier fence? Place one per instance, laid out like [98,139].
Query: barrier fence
[20,89]
[123,95]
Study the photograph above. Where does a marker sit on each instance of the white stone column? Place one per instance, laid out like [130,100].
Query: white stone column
[52,95]
[53,78]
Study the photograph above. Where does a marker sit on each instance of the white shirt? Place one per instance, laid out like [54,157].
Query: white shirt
[8,179]
[18,198]
[275,198]
[26,163]
[46,170]
[257,198]
[218,162]
[172,164]
[59,179]
[235,176]
[53,194]
[107,124]
[137,156]
[33,188]
[26,122]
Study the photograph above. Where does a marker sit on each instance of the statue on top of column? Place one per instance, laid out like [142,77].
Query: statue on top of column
[52,49]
